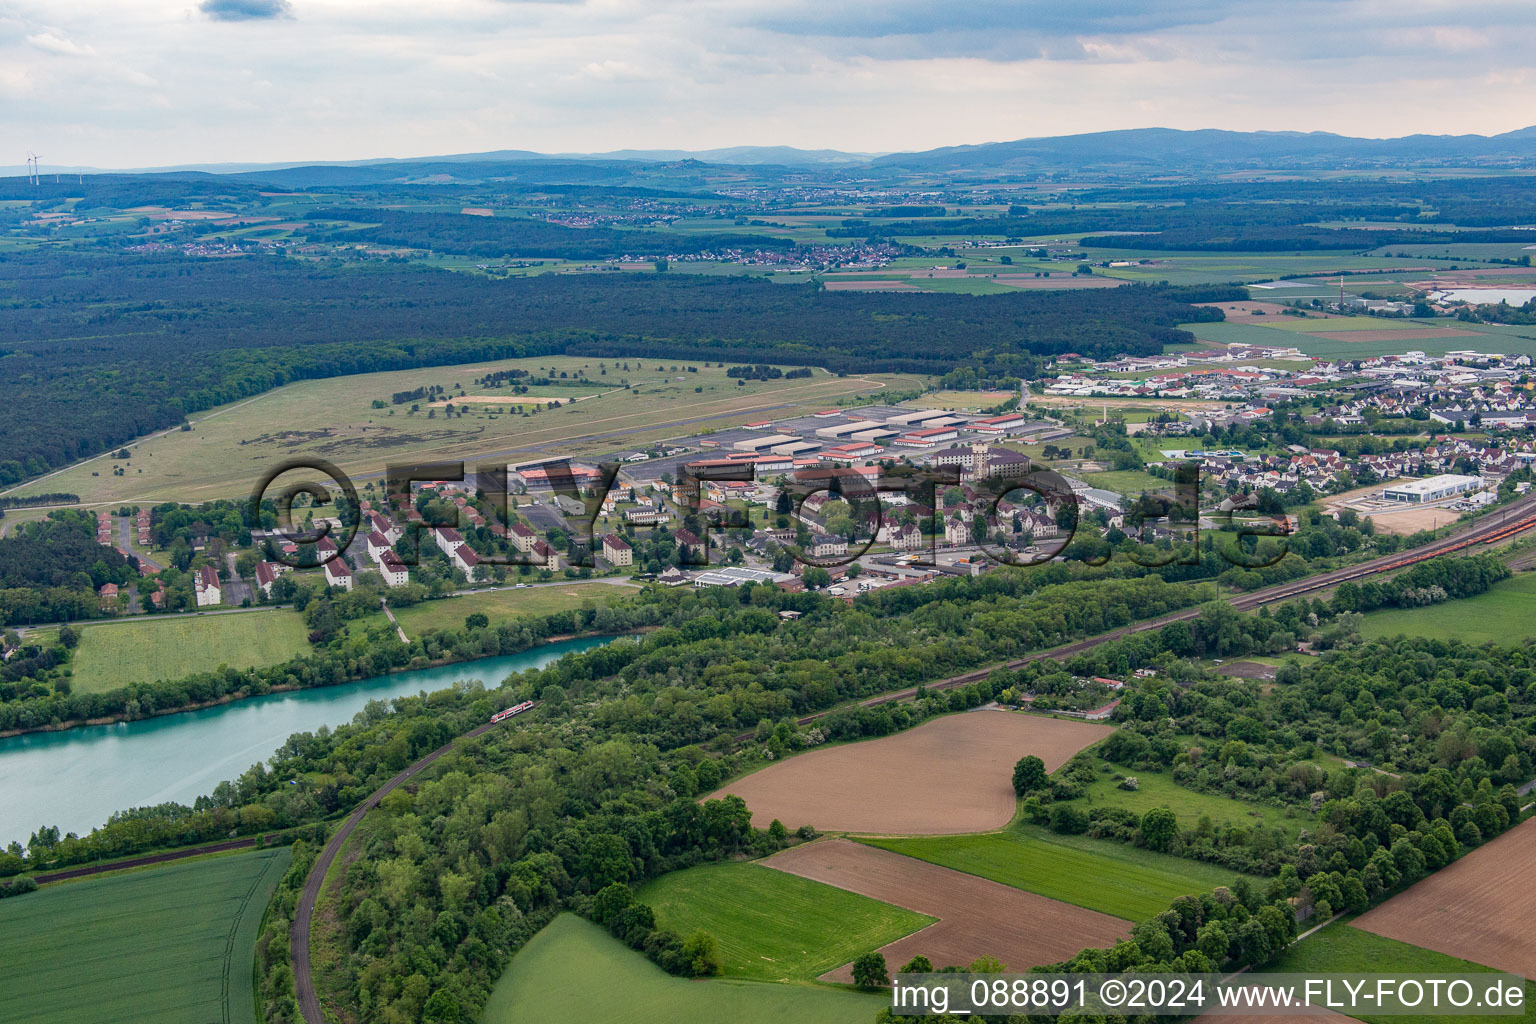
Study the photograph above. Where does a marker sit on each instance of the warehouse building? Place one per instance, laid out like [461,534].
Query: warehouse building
[1434,488]
[848,429]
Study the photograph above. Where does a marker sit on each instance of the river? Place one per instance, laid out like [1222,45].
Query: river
[76,778]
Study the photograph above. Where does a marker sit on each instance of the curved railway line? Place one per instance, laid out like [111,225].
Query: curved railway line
[304,912]
[1517,518]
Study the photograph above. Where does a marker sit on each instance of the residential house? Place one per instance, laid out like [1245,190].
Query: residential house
[616,551]
[205,585]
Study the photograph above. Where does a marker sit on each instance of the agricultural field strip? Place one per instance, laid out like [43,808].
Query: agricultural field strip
[955,771]
[573,972]
[976,916]
[773,925]
[1343,947]
[1479,908]
[1125,882]
[161,940]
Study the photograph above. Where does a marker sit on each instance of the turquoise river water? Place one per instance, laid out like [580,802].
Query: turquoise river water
[75,779]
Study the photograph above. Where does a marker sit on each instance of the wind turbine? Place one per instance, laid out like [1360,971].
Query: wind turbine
[32,159]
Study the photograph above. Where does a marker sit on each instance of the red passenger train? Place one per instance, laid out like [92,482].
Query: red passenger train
[516,709]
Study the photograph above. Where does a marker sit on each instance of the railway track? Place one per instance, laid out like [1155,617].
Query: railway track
[1519,517]
[303,916]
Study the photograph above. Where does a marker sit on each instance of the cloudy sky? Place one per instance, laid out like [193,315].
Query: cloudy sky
[130,83]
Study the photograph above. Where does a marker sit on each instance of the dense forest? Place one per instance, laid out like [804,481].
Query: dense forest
[1202,225]
[52,569]
[98,349]
[496,237]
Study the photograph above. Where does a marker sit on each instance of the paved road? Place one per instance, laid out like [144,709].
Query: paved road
[126,531]
[304,982]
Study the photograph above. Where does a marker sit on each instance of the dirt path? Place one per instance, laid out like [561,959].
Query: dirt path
[137,862]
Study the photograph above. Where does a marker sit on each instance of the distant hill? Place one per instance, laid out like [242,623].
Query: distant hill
[1171,149]
[1132,151]
[787,156]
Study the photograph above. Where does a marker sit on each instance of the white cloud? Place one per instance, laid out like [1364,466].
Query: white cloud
[48,42]
[162,81]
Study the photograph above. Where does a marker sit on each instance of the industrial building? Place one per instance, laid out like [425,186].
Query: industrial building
[848,429]
[752,444]
[928,438]
[1434,488]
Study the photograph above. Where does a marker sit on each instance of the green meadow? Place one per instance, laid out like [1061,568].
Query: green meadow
[1502,616]
[573,972]
[173,647]
[774,926]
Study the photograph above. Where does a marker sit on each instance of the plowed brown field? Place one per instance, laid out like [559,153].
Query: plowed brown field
[977,917]
[1480,908]
[951,775]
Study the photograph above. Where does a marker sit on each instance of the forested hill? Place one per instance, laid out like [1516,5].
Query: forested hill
[98,349]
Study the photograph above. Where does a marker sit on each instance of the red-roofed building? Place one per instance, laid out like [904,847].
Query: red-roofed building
[523,538]
[616,551]
[394,571]
[998,424]
[465,558]
[205,585]
[546,555]
[928,438]
[1101,713]
[338,574]
[267,574]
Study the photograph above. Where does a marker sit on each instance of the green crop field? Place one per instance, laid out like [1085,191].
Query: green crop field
[573,972]
[1241,333]
[230,447]
[1502,615]
[1098,874]
[1339,948]
[971,285]
[169,945]
[962,400]
[774,926]
[1340,323]
[173,647]
[502,605]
